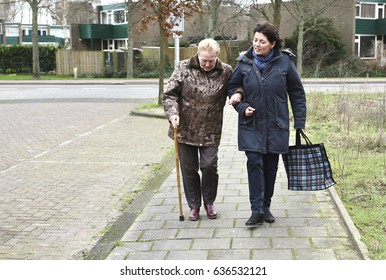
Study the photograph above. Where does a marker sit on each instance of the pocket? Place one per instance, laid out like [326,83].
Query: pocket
[247,122]
[282,114]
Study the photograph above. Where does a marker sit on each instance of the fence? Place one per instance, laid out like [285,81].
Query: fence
[98,62]
[86,62]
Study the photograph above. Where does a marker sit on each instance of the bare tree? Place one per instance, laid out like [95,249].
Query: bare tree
[132,8]
[163,12]
[9,9]
[271,12]
[211,9]
[304,11]
[67,12]
[35,7]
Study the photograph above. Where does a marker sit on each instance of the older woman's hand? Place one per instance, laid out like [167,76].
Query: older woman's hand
[174,120]
[235,98]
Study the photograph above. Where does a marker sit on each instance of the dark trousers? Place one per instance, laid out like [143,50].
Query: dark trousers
[193,158]
[262,171]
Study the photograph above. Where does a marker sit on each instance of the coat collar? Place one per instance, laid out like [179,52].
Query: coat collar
[194,63]
[247,56]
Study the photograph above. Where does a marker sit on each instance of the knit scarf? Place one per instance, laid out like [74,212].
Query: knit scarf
[262,62]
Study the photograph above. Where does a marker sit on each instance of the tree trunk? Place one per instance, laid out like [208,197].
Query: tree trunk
[130,37]
[161,65]
[277,13]
[213,18]
[299,57]
[202,23]
[35,40]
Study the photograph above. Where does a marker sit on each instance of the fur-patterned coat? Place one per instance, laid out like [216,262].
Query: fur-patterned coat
[198,98]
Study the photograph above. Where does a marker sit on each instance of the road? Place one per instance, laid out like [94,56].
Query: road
[61,91]
[149,90]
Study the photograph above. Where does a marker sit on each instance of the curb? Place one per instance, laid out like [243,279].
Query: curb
[153,113]
[107,242]
[349,224]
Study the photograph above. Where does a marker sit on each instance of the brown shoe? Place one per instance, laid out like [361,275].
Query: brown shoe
[210,211]
[194,214]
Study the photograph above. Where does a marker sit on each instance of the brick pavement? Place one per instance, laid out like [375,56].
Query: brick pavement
[67,170]
[309,225]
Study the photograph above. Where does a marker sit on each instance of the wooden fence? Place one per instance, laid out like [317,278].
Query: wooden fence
[86,62]
[94,62]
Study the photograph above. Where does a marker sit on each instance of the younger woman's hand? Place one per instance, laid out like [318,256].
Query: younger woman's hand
[249,111]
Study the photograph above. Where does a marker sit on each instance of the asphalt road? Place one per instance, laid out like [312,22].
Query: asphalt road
[148,89]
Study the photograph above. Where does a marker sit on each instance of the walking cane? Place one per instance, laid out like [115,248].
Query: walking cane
[178,175]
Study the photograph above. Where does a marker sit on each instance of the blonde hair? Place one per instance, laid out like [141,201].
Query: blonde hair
[208,45]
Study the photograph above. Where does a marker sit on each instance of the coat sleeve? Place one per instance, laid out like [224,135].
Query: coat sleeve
[172,93]
[297,96]
[236,86]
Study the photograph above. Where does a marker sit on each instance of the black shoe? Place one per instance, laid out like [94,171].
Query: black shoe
[256,218]
[268,217]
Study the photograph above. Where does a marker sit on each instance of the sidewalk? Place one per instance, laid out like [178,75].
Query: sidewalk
[309,225]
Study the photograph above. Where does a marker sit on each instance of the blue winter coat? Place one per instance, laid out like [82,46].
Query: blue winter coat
[268,129]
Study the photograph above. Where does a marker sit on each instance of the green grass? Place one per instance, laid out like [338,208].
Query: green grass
[352,127]
[149,106]
[16,77]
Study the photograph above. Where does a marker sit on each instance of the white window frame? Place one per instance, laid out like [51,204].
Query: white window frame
[103,13]
[124,16]
[358,41]
[112,42]
[41,31]
[381,7]
[361,5]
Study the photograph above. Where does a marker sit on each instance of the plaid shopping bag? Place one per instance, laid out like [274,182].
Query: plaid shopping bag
[307,166]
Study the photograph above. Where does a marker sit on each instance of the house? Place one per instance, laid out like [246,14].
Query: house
[362,26]
[110,31]
[370,30]
[21,34]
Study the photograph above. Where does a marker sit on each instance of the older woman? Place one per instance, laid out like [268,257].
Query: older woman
[193,101]
[263,80]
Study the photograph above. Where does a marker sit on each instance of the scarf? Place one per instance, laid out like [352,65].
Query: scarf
[262,62]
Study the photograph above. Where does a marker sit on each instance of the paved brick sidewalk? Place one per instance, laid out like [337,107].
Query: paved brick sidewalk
[308,224]
[66,171]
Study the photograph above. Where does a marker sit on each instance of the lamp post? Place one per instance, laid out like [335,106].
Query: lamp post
[178,26]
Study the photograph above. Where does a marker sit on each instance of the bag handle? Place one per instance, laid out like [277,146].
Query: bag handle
[298,140]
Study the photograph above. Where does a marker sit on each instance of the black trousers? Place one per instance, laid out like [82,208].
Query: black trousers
[193,159]
[262,171]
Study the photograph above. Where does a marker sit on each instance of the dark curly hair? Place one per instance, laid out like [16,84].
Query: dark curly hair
[270,31]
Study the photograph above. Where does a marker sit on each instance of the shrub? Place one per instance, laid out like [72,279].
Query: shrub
[18,59]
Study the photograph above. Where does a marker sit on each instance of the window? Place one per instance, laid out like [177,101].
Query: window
[104,18]
[108,45]
[367,10]
[119,16]
[367,47]
[42,32]
[357,11]
[12,31]
[120,44]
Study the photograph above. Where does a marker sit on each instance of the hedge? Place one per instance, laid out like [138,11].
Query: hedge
[18,59]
